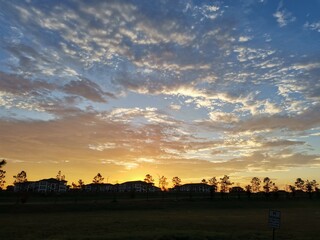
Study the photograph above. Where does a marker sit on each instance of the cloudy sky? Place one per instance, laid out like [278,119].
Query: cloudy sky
[193,89]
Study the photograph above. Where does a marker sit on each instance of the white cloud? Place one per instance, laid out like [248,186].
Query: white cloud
[315,26]
[25,102]
[244,38]
[102,147]
[212,8]
[125,164]
[249,54]
[223,117]
[308,66]
[175,107]
[128,115]
[284,17]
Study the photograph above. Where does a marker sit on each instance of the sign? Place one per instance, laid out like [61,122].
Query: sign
[274,218]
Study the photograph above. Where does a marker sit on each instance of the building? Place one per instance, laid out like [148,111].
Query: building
[42,186]
[193,187]
[99,187]
[137,186]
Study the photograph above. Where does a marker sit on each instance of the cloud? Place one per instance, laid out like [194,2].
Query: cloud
[315,26]
[68,70]
[127,165]
[86,89]
[18,92]
[281,161]
[130,115]
[244,38]
[298,122]
[223,117]
[18,85]
[283,16]
[175,107]
[101,147]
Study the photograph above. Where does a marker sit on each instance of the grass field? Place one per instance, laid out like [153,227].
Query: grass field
[159,219]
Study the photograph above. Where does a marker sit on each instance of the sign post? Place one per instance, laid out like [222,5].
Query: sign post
[274,221]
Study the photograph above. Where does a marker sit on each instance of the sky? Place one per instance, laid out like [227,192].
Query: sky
[194,89]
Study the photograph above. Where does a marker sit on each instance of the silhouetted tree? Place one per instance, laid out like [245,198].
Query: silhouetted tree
[214,186]
[248,190]
[299,183]
[98,179]
[81,183]
[255,184]
[317,192]
[267,184]
[204,181]
[225,184]
[310,186]
[20,177]
[176,181]
[2,163]
[292,190]
[275,191]
[2,174]
[163,183]
[60,177]
[148,179]
[78,185]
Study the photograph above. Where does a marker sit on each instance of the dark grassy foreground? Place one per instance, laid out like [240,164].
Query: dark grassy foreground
[159,219]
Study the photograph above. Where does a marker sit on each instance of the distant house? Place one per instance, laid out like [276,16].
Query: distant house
[22,187]
[99,187]
[193,187]
[236,189]
[131,186]
[44,186]
[137,186]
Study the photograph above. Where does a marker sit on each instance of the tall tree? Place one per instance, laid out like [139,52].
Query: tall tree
[311,186]
[248,189]
[2,174]
[225,184]
[78,185]
[81,183]
[292,189]
[267,184]
[2,163]
[255,184]
[20,177]
[213,182]
[204,181]
[148,179]
[275,190]
[163,183]
[2,177]
[299,183]
[176,181]
[60,177]
[98,179]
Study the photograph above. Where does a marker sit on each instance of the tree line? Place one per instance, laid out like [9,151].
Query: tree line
[223,184]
